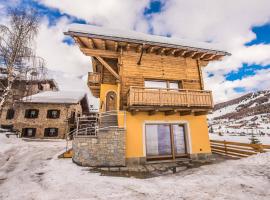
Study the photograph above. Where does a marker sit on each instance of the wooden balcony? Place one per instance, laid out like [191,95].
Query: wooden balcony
[94,80]
[169,99]
[94,77]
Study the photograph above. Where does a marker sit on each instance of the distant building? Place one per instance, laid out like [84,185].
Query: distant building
[47,114]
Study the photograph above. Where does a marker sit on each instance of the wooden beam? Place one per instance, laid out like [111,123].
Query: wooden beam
[79,42]
[151,49]
[170,112]
[182,54]
[108,67]
[197,55]
[186,112]
[103,44]
[128,47]
[139,48]
[116,46]
[171,51]
[161,51]
[152,112]
[98,52]
[134,112]
[190,54]
[91,43]
[198,113]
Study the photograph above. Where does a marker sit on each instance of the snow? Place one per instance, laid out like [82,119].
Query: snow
[140,37]
[234,138]
[55,97]
[31,170]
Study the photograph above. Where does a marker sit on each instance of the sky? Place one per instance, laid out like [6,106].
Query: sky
[241,27]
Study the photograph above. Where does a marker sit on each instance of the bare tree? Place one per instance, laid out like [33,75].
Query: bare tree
[17,54]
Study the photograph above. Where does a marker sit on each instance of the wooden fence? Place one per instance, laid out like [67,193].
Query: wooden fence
[237,149]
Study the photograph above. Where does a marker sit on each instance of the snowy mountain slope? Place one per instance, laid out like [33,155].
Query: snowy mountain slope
[244,115]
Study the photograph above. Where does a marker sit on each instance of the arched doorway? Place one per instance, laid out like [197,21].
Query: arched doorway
[111,101]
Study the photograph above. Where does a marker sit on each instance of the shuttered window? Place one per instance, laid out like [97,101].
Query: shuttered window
[10,113]
[53,114]
[31,113]
[51,132]
[29,132]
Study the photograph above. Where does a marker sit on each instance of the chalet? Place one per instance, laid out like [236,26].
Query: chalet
[153,105]
[50,114]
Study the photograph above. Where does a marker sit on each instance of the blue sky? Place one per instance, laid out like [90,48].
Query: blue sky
[247,36]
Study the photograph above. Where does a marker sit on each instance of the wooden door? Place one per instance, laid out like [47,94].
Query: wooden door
[111,101]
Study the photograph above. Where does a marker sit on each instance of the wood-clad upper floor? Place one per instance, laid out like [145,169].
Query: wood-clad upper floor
[135,60]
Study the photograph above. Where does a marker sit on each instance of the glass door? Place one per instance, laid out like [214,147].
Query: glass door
[165,141]
[179,140]
[158,140]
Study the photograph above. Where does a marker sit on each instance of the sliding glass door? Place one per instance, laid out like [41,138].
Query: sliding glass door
[165,140]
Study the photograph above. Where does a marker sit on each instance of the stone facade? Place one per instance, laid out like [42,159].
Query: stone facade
[64,123]
[41,122]
[106,149]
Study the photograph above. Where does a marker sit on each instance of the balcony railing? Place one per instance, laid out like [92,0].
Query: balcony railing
[94,77]
[139,96]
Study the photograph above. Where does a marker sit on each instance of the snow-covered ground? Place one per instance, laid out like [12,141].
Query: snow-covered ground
[31,170]
[244,139]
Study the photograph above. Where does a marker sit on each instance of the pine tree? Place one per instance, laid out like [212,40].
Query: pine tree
[254,140]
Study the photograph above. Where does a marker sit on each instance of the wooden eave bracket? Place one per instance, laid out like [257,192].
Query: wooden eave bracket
[108,67]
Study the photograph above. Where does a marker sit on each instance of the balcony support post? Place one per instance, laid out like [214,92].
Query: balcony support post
[187,112]
[170,112]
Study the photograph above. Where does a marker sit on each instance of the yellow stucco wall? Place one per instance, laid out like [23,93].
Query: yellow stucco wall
[104,89]
[197,127]
[199,139]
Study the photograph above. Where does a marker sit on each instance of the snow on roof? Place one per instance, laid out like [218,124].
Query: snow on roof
[141,37]
[69,97]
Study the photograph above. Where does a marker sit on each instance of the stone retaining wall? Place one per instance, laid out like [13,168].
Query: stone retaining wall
[106,149]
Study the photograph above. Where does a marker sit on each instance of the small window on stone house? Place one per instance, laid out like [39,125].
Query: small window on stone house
[53,114]
[29,132]
[51,132]
[40,86]
[31,113]
[10,113]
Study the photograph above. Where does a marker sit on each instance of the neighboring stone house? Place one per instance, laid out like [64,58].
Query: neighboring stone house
[49,114]
[20,89]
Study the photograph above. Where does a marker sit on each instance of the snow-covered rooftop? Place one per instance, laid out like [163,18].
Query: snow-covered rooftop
[55,97]
[140,37]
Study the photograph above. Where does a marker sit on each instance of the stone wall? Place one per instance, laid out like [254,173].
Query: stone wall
[42,121]
[106,149]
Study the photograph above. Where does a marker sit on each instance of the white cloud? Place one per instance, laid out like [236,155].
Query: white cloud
[227,22]
[111,13]
[59,55]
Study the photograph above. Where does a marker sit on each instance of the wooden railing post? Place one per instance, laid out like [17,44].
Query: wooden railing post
[225,148]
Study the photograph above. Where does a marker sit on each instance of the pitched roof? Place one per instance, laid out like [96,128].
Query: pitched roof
[138,37]
[68,97]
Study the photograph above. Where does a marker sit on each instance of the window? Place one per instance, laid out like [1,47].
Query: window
[53,114]
[29,132]
[40,86]
[10,113]
[7,127]
[51,132]
[31,113]
[161,84]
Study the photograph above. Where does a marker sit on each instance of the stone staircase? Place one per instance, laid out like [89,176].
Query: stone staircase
[108,120]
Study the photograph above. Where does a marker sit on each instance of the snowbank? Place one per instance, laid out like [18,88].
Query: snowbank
[34,172]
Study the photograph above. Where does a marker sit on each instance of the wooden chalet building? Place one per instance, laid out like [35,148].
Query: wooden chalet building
[157,82]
